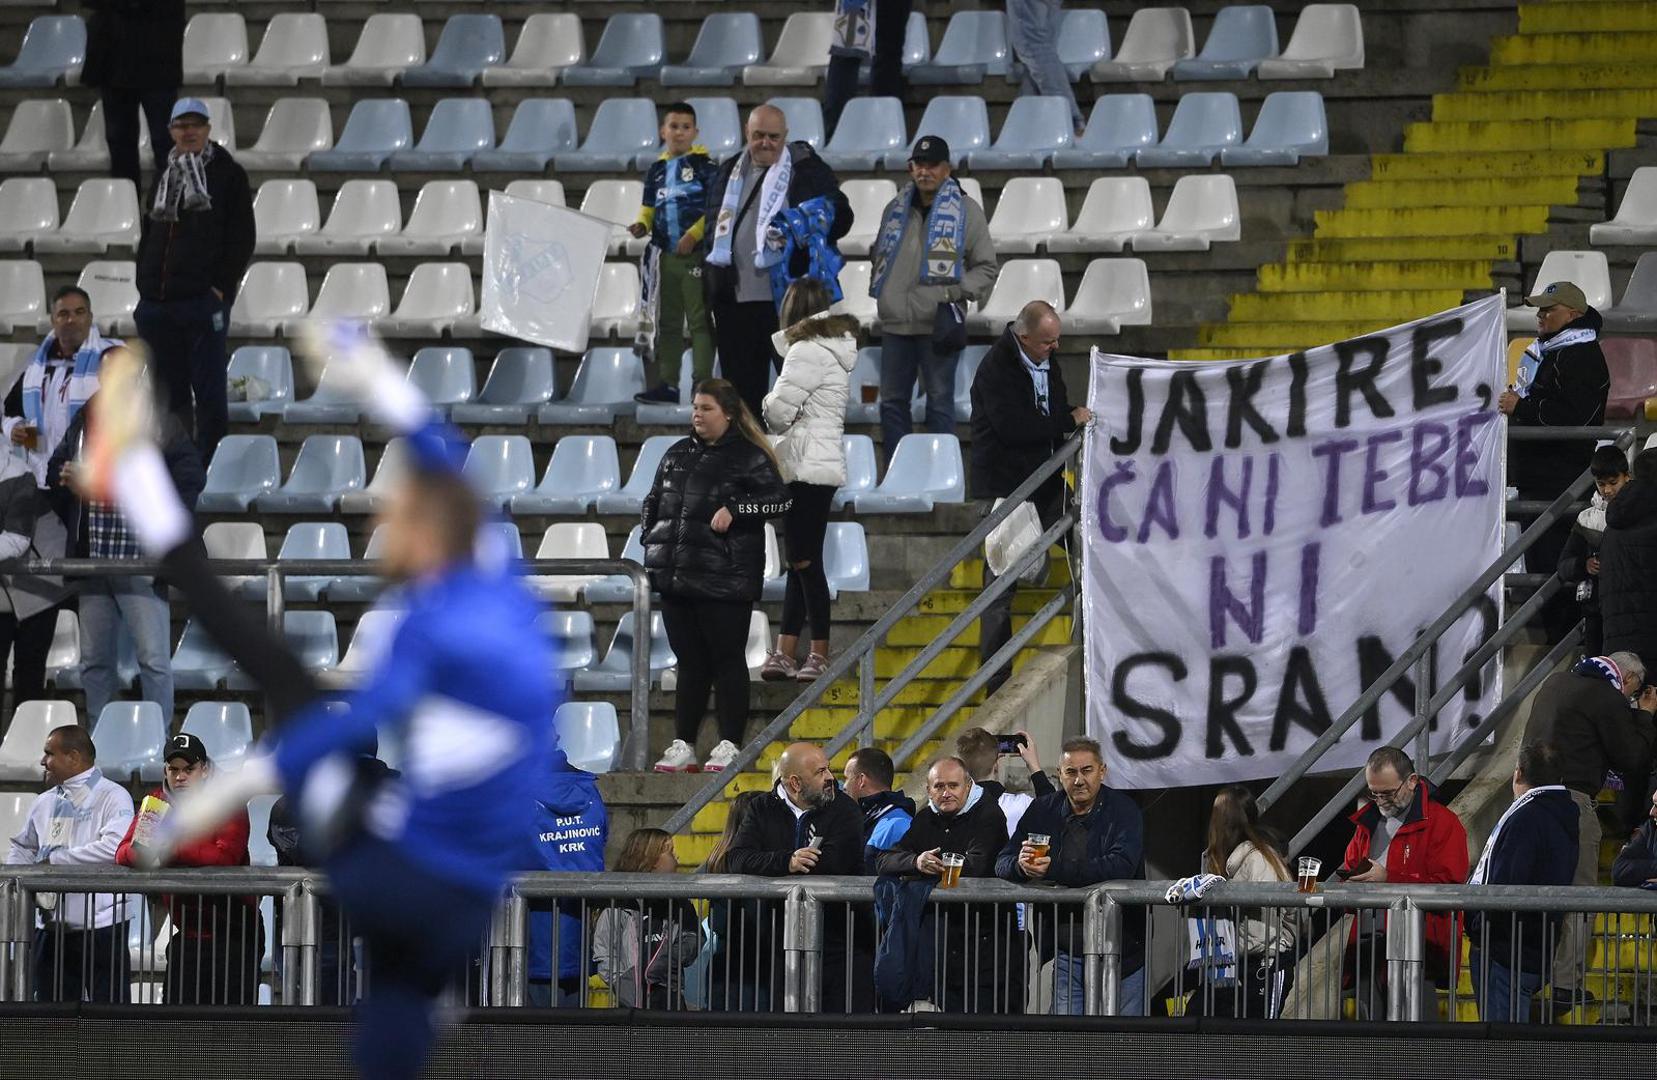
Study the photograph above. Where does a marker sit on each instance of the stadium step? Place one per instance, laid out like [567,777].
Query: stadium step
[1537,136]
[1394,307]
[1393,194]
[1432,221]
[1313,277]
[1558,104]
[1586,16]
[1632,76]
[1497,163]
[1422,249]
[1574,48]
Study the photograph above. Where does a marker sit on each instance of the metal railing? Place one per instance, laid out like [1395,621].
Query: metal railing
[861,654]
[1118,948]
[636,749]
[1416,660]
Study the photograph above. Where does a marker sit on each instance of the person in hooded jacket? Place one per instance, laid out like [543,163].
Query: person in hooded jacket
[1628,565]
[704,549]
[1534,843]
[975,970]
[1579,561]
[886,813]
[1563,381]
[572,827]
[806,410]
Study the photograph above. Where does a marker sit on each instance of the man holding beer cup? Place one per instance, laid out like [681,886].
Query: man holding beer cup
[1080,835]
[958,834]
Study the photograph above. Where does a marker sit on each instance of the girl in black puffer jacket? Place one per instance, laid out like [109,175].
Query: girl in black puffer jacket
[704,548]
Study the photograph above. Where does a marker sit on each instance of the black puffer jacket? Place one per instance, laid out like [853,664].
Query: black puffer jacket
[1628,571]
[134,44]
[1568,390]
[683,554]
[203,249]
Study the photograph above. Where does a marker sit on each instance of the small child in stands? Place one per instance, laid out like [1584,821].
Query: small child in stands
[1579,559]
[674,215]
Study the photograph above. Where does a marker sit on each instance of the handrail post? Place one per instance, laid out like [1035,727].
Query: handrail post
[1406,960]
[301,927]
[638,727]
[507,975]
[20,910]
[1423,707]
[802,942]
[866,699]
[6,888]
[1102,954]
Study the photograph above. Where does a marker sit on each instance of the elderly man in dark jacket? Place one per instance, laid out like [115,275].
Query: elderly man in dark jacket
[1585,715]
[1534,843]
[749,190]
[981,952]
[135,56]
[197,239]
[1636,865]
[1093,834]
[1563,382]
[1021,412]
[1628,565]
[806,825]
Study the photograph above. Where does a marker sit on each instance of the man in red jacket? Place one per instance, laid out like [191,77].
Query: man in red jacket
[1402,836]
[213,956]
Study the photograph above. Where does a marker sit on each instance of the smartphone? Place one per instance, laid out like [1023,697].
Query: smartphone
[816,843]
[1011,744]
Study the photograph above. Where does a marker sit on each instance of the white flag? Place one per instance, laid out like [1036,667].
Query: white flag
[541,265]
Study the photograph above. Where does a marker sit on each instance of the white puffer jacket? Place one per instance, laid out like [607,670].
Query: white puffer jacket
[806,409]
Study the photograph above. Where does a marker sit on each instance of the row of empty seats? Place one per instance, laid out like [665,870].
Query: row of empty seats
[1591,272]
[131,735]
[551,48]
[1635,221]
[330,475]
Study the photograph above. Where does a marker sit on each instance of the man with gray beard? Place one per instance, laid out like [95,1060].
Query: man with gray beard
[807,825]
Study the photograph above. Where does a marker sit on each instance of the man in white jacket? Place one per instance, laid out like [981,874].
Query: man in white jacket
[80,951]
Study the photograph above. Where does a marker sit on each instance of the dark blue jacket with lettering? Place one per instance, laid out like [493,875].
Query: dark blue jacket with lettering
[571,827]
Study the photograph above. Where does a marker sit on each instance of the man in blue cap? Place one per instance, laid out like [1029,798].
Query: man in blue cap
[197,240]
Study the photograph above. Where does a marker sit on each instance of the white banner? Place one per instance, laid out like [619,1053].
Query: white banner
[1262,538]
[541,265]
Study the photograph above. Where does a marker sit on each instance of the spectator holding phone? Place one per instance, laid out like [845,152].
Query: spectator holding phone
[982,754]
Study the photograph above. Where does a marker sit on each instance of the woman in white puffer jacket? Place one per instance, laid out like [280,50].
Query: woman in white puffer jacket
[806,410]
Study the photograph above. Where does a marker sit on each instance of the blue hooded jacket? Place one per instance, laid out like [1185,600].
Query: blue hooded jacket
[571,827]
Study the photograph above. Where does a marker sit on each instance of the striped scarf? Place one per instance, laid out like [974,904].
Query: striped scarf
[946,236]
[183,184]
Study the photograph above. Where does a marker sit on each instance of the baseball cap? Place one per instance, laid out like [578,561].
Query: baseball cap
[189,106]
[930,150]
[1560,292]
[186,746]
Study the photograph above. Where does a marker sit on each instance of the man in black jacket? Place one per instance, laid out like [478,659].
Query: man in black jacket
[1585,715]
[886,813]
[135,56]
[962,818]
[1534,843]
[739,290]
[1563,382]
[1636,865]
[1628,565]
[197,239]
[1021,412]
[1094,834]
[806,825]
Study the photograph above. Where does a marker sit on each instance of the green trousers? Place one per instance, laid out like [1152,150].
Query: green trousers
[681,303]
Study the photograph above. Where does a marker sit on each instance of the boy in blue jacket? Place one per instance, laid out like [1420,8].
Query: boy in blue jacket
[674,215]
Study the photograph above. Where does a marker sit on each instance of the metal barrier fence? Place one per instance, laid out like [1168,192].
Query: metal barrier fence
[725,943]
[635,752]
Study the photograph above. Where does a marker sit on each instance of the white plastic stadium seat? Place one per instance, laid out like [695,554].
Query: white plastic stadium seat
[616,306]
[925,470]
[294,129]
[387,475]
[436,297]
[603,388]
[549,42]
[22,295]
[352,291]
[447,214]
[1156,39]
[214,42]
[569,540]
[588,733]
[615,671]
[284,211]
[1587,270]
[103,215]
[860,469]
[363,211]
[295,46]
[1114,210]
[390,44]
[1029,213]
[1021,281]
[1327,38]
[801,54]
[868,200]
[1113,293]
[26,738]
[113,286]
[272,295]
[41,127]
[1201,211]
[854,294]
[583,468]
[629,498]
[617,201]
[1636,218]
[28,210]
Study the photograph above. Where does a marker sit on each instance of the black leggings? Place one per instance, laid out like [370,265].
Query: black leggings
[710,638]
[804,529]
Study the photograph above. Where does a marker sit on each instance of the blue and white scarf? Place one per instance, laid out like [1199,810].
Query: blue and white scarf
[1538,349]
[803,228]
[854,28]
[83,377]
[1599,667]
[773,197]
[946,236]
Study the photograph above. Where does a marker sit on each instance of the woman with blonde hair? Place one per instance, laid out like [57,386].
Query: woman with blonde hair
[703,528]
[1239,849]
[806,410]
[641,951]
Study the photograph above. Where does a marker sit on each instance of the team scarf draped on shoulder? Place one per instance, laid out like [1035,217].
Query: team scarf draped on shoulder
[854,28]
[773,197]
[83,376]
[1537,350]
[946,236]
[1482,870]
[803,228]
[183,184]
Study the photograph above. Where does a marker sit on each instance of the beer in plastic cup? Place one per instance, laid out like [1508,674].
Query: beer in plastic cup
[1039,843]
[1309,867]
[952,870]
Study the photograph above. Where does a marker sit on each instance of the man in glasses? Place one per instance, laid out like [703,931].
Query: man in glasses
[1402,836]
[197,240]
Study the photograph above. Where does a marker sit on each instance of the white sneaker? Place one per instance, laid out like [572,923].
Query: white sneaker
[722,756]
[679,758]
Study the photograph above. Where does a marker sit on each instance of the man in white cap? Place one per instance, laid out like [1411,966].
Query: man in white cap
[1562,382]
[197,240]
